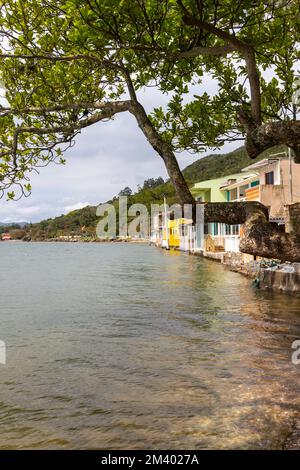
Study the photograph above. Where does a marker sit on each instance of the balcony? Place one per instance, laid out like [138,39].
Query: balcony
[253,194]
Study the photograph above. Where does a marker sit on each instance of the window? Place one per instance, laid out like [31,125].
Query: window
[235,229]
[233,194]
[269,177]
[216,229]
[242,190]
[231,230]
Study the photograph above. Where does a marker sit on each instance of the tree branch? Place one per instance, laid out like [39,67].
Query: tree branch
[109,110]
[191,53]
[246,51]
[261,237]
[54,58]
[5,111]
[268,135]
[196,51]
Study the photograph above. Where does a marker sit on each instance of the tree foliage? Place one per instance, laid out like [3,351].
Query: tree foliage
[125,192]
[152,182]
[69,64]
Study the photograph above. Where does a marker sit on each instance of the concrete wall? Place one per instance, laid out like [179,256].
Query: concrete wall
[285,178]
[272,196]
[280,281]
[277,196]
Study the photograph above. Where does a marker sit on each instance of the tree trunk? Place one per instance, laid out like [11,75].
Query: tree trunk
[233,213]
[260,138]
[262,240]
[261,237]
[165,151]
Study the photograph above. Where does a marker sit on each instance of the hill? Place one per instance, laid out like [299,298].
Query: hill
[83,221]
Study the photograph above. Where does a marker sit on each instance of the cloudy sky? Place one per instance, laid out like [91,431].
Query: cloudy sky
[106,157]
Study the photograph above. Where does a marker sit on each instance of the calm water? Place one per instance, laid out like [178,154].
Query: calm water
[127,346]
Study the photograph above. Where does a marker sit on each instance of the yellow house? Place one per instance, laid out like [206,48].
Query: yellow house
[174,233]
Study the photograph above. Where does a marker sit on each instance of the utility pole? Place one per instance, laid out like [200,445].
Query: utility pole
[291,174]
[166,223]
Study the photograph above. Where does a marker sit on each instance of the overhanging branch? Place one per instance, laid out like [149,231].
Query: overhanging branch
[268,135]
[108,110]
[55,58]
[5,111]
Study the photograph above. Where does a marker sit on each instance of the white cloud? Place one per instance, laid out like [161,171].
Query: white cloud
[78,205]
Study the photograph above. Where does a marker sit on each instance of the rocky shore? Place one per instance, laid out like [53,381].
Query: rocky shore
[293,440]
[266,274]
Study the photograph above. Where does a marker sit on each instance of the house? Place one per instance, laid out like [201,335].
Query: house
[229,188]
[212,190]
[5,236]
[183,235]
[157,229]
[174,233]
[180,232]
[279,185]
[273,181]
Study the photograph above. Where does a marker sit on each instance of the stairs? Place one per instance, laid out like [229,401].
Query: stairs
[211,246]
[219,248]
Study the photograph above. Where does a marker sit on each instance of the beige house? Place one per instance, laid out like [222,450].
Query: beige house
[279,185]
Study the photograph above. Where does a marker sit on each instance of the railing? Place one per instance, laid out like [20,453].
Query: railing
[241,199]
[232,243]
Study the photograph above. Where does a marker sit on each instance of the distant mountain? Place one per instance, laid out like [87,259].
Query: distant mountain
[218,165]
[13,224]
[83,221]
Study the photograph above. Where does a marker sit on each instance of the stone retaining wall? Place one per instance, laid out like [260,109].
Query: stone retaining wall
[284,278]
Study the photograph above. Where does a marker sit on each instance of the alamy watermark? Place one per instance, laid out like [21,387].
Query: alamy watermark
[137,221]
[2,353]
[296,94]
[296,353]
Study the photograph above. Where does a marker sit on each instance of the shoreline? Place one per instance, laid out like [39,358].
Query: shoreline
[54,240]
[270,275]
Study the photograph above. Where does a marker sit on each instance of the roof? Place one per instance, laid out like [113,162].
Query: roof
[265,162]
[246,180]
[222,181]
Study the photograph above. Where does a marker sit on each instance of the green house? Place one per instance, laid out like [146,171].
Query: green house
[215,190]
[228,188]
